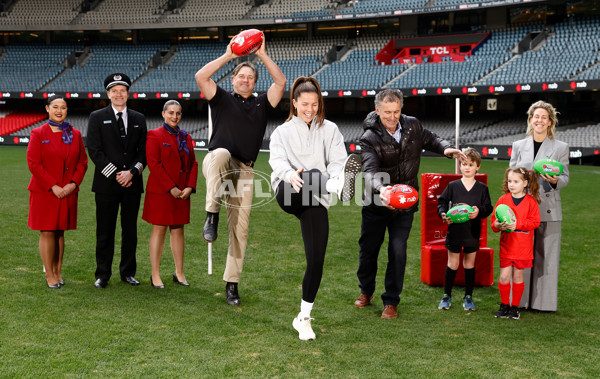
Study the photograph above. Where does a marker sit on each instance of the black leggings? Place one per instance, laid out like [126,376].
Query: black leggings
[314,224]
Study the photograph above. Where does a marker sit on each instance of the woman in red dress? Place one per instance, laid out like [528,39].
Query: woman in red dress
[173,175]
[57,161]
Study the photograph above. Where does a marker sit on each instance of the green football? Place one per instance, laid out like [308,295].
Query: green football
[548,166]
[505,214]
[459,213]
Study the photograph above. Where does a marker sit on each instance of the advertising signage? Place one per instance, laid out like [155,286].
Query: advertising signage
[513,88]
[402,12]
[490,151]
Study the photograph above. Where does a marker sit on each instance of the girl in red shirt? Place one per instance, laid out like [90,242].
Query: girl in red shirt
[521,194]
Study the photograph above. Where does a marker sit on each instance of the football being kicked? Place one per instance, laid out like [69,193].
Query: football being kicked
[247,42]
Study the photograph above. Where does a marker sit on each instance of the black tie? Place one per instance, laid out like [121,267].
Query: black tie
[121,125]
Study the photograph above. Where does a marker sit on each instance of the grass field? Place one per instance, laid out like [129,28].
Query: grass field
[124,331]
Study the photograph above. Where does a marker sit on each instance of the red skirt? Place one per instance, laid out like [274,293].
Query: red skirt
[164,209]
[47,212]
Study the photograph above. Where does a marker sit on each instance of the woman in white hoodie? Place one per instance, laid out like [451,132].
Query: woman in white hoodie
[309,162]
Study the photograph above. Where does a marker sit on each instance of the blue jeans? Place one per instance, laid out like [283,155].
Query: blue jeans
[374,224]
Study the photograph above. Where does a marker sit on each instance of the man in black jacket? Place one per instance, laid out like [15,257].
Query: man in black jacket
[391,147]
[117,145]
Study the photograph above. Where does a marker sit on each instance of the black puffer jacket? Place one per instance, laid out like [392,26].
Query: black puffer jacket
[382,155]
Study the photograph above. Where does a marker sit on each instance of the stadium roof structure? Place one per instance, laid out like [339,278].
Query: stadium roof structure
[67,15]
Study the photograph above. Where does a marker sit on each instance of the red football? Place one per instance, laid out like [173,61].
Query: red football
[402,196]
[247,42]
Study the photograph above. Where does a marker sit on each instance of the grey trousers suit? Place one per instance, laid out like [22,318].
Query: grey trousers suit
[541,281]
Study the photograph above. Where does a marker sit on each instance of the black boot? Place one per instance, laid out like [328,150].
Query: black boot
[209,232]
[231,289]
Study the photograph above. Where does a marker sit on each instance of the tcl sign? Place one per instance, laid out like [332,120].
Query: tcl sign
[439,50]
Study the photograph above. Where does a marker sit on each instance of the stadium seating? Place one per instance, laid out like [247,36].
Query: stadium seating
[131,60]
[208,10]
[123,12]
[576,41]
[374,6]
[494,51]
[483,130]
[458,2]
[358,69]
[295,57]
[289,8]
[15,121]
[495,61]
[583,136]
[47,12]
[32,66]
[178,75]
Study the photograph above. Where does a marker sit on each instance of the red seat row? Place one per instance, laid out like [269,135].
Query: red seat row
[16,121]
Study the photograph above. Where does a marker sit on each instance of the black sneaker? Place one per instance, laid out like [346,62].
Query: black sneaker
[231,290]
[209,232]
[513,313]
[503,311]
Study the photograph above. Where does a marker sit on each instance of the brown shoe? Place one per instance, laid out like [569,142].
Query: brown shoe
[363,300]
[389,311]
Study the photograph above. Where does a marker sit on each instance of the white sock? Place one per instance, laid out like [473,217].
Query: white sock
[305,308]
[332,185]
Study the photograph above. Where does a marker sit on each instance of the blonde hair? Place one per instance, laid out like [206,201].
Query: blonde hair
[551,114]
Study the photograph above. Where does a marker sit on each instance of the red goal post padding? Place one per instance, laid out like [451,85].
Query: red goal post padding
[434,256]
[434,259]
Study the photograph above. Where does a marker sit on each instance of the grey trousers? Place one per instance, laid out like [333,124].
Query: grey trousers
[541,281]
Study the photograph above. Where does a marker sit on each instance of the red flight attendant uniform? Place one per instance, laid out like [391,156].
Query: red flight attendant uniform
[169,168]
[53,162]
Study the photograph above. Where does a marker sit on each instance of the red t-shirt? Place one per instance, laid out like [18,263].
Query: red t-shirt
[519,243]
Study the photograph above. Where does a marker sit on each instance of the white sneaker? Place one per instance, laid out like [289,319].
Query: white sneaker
[304,329]
[352,167]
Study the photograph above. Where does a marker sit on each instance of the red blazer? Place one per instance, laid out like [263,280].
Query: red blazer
[46,160]
[166,169]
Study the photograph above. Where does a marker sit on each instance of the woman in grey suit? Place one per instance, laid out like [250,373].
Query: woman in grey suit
[541,281]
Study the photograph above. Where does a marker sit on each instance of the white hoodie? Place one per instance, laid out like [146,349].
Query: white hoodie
[294,146]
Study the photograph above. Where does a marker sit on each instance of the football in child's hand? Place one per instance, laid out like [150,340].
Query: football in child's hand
[459,213]
[401,196]
[505,214]
[247,42]
[548,166]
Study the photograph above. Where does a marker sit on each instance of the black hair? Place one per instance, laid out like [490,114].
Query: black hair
[55,97]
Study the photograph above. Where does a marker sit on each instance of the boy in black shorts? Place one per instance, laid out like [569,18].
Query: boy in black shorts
[464,237]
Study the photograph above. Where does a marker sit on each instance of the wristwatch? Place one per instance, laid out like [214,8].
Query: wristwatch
[133,171]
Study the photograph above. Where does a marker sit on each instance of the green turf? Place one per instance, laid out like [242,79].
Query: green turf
[122,331]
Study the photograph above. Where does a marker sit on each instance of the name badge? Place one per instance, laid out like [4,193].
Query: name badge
[108,121]
[46,141]
[135,126]
[166,144]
